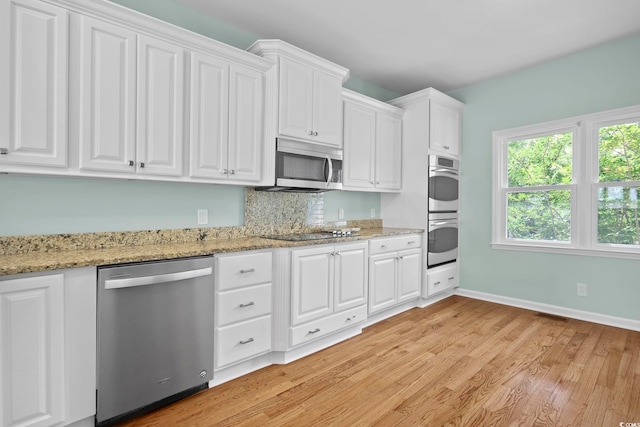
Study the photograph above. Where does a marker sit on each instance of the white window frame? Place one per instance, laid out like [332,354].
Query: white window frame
[584,186]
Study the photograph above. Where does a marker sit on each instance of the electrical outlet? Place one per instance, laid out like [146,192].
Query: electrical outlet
[373,212]
[340,213]
[203,216]
[581,289]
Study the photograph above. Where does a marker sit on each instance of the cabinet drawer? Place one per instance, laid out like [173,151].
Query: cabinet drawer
[393,244]
[236,271]
[442,278]
[243,304]
[327,325]
[242,341]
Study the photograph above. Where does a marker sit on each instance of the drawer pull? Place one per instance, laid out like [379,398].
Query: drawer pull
[451,278]
[437,283]
[249,304]
[315,331]
[413,242]
[351,318]
[383,246]
[249,270]
[246,341]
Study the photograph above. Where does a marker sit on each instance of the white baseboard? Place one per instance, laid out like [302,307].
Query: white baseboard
[588,316]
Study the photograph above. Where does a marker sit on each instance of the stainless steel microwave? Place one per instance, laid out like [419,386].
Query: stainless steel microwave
[306,167]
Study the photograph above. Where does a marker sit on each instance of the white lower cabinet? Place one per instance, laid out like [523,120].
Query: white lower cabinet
[395,271]
[48,347]
[328,290]
[242,307]
[441,278]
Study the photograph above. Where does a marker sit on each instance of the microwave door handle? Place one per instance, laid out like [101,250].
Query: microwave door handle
[330,175]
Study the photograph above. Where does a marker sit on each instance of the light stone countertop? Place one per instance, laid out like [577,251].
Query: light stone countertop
[39,261]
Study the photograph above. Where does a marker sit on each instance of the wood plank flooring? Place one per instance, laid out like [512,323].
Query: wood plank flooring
[459,362]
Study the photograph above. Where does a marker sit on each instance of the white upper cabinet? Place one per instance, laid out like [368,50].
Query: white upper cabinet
[95,89]
[107,87]
[444,129]
[307,99]
[226,120]
[432,123]
[160,107]
[131,100]
[372,144]
[209,116]
[34,39]
[310,104]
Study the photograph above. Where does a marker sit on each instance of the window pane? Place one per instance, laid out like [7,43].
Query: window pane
[618,220]
[539,215]
[619,152]
[545,160]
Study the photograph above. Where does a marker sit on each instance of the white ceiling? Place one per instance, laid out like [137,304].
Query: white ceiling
[407,45]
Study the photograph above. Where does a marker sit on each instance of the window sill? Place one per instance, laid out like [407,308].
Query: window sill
[607,253]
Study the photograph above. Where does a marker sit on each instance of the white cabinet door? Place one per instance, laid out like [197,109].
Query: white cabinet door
[209,117]
[311,284]
[160,107]
[245,124]
[327,109]
[382,281]
[32,351]
[34,40]
[409,274]
[444,130]
[296,98]
[351,275]
[359,143]
[107,89]
[388,152]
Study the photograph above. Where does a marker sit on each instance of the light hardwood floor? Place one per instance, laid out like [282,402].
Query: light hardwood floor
[460,362]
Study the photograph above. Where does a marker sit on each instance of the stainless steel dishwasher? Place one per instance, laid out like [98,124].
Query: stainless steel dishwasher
[155,334]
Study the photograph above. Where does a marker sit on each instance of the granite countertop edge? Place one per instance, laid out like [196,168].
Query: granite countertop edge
[50,261]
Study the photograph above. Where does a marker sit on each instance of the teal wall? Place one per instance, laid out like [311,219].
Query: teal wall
[598,79]
[51,205]
[356,205]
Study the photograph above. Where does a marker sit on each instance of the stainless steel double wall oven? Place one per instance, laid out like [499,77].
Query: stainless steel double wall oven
[442,244]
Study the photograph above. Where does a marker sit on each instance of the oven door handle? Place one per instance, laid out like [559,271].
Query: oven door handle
[159,278]
[444,172]
[444,223]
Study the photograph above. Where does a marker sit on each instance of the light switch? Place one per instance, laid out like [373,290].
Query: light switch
[203,216]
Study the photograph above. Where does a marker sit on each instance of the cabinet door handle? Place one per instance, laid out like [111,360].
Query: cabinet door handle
[132,163]
[141,165]
[315,134]
[4,150]
[247,341]
[451,278]
[310,133]
[446,147]
[437,283]
[249,270]
[315,331]
[224,171]
[249,304]
[232,172]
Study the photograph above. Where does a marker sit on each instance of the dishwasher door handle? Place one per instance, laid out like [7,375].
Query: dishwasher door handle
[160,278]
